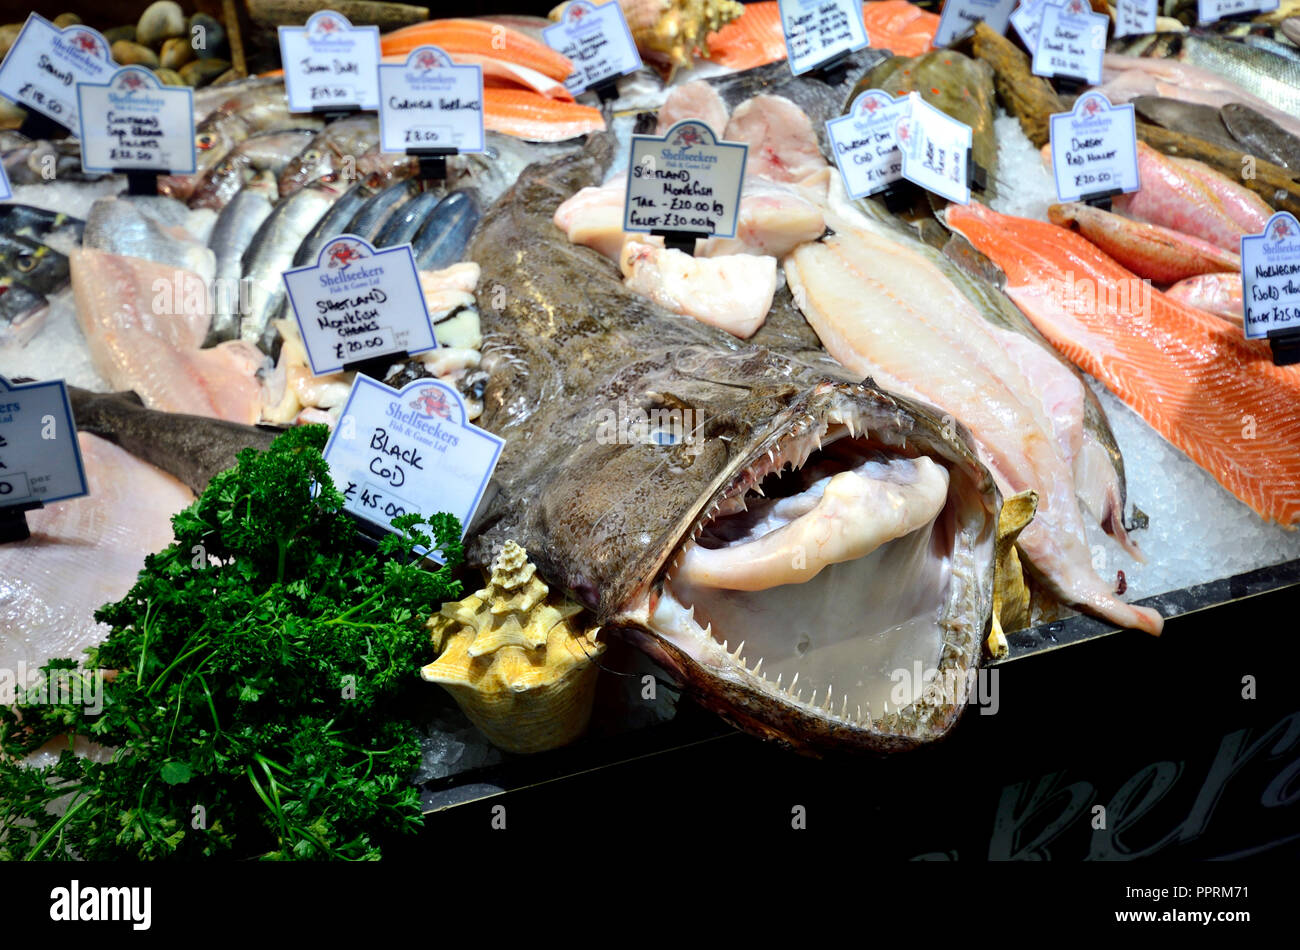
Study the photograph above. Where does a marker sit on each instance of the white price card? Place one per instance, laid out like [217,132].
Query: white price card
[1270,277]
[1071,42]
[820,30]
[935,149]
[864,142]
[430,102]
[45,64]
[135,122]
[1207,11]
[330,64]
[410,452]
[685,180]
[1094,149]
[1135,17]
[357,302]
[959,17]
[6,192]
[596,39]
[1027,19]
[40,460]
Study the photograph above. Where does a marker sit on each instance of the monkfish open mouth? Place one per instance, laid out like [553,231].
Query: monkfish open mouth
[835,576]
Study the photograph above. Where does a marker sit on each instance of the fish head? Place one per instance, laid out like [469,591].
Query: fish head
[213,141]
[740,523]
[22,313]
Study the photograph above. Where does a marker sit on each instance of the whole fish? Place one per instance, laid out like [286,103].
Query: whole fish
[1219,294]
[332,154]
[36,266]
[1172,197]
[1148,250]
[133,228]
[372,215]
[644,528]
[1190,118]
[334,222]
[22,312]
[236,226]
[1267,75]
[265,151]
[401,226]
[271,252]
[1261,135]
[442,239]
[39,224]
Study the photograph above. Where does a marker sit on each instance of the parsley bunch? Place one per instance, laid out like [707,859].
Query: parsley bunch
[264,690]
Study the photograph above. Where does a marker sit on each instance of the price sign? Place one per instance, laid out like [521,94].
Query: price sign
[685,180]
[356,303]
[935,149]
[1270,277]
[596,39]
[414,451]
[1027,19]
[1207,11]
[135,122]
[6,192]
[45,64]
[1071,42]
[430,102]
[1135,17]
[959,18]
[864,142]
[330,64]
[1094,149]
[40,460]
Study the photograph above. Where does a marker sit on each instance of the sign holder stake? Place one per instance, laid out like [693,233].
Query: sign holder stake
[977,178]
[140,181]
[37,125]
[433,162]
[1069,85]
[1100,199]
[1285,345]
[681,240]
[898,196]
[833,71]
[13,521]
[334,113]
[607,91]
[376,366]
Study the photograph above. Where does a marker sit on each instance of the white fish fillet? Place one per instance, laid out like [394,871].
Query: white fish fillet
[144,331]
[82,554]
[693,100]
[782,143]
[733,293]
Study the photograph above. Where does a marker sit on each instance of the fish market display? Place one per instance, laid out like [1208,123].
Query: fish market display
[785,465]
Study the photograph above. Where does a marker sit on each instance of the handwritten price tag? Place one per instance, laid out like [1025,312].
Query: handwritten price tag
[820,30]
[40,460]
[865,144]
[959,18]
[414,451]
[1270,277]
[597,40]
[1094,148]
[356,302]
[1027,19]
[330,64]
[45,64]
[135,122]
[1135,17]
[1207,11]
[935,149]
[684,181]
[430,102]
[1071,42]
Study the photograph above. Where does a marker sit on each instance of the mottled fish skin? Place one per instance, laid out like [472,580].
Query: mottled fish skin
[236,226]
[563,344]
[265,151]
[442,239]
[332,154]
[22,313]
[271,253]
[38,224]
[36,266]
[1189,118]
[193,449]
[372,215]
[405,221]
[1262,136]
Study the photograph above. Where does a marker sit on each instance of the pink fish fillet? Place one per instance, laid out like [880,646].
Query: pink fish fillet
[883,310]
[1217,294]
[781,140]
[693,100]
[83,553]
[1173,197]
[144,323]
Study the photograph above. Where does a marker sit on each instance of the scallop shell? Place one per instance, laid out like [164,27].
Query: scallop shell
[515,660]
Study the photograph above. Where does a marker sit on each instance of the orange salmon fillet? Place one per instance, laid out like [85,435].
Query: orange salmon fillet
[755,38]
[477,36]
[1194,378]
[534,117]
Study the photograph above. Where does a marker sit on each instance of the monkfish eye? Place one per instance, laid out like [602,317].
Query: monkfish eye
[661,436]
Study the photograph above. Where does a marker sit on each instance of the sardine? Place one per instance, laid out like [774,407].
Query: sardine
[271,252]
[238,222]
[627,523]
[401,226]
[372,215]
[442,238]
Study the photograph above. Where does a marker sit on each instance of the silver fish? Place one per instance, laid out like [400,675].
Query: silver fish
[138,229]
[236,226]
[1271,77]
[265,151]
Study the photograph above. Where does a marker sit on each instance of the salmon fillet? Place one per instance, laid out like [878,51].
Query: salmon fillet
[536,118]
[1193,377]
[478,36]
